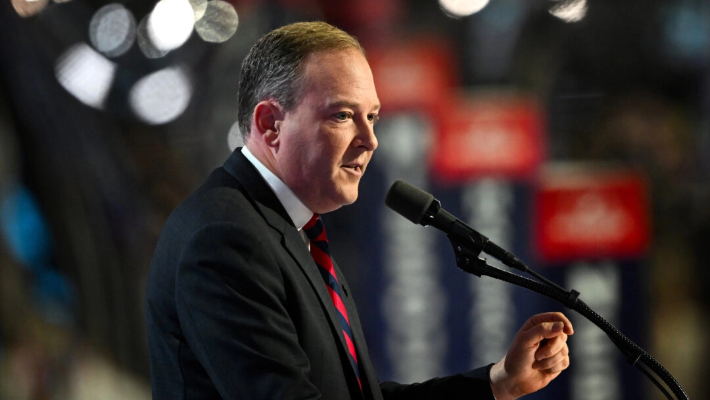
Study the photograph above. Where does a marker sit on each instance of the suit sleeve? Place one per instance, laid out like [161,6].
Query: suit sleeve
[472,385]
[231,304]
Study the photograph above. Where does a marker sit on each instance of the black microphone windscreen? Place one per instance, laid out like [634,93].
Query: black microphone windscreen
[408,200]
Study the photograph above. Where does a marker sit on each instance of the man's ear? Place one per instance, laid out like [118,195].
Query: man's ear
[267,117]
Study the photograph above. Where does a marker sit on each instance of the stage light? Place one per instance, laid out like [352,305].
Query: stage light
[462,8]
[570,10]
[112,30]
[198,8]
[161,96]
[170,24]
[145,43]
[218,23]
[86,74]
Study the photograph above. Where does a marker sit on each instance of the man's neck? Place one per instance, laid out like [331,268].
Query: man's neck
[263,153]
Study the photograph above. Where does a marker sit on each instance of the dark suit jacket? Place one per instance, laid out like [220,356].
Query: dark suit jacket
[236,308]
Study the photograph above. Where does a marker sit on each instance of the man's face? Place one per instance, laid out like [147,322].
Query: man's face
[327,140]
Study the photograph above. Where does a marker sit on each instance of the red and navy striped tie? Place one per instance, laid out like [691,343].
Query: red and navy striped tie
[321,254]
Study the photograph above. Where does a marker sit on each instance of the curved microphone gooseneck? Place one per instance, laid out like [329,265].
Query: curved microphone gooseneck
[422,208]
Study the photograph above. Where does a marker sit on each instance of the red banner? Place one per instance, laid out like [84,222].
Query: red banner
[491,134]
[417,75]
[587,214]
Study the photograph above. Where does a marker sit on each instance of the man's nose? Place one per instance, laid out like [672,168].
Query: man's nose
[366,136]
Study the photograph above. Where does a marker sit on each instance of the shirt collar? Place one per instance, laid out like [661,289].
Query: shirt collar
[299,213]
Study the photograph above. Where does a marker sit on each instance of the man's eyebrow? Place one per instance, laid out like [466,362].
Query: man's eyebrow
[346,103]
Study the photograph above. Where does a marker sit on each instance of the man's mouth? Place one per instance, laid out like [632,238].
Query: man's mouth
[354,168]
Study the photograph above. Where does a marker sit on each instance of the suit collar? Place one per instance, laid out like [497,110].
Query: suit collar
[256,187]
[297,211]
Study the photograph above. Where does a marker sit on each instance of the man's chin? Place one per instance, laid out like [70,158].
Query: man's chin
[350,197]
[342,199]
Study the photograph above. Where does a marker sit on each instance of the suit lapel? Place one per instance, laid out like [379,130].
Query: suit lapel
[294,245]
[266,202]
[367,371]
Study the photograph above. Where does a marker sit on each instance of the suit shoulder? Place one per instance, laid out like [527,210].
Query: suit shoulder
[219,199]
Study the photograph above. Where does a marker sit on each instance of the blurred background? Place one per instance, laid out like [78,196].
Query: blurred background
[575,133]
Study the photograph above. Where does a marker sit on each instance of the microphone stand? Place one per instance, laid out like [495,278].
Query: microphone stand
[467,259]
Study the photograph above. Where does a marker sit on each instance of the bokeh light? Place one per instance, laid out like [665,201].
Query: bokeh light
[234,137]
[218,23]
[161,96]
[86,74]
[112,30]
[462,8]
[198,8]
[145,43]
[170,24]
[570,10]
[27,8]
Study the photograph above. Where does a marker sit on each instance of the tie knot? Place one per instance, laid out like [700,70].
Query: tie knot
[314,229]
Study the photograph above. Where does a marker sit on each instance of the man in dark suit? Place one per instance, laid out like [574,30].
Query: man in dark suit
[237,307]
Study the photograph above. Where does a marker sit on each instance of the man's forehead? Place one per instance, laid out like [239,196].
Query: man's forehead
[340,78]
[335,64]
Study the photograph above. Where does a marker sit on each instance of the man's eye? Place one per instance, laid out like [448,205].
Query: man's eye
[342,116]
[373,118]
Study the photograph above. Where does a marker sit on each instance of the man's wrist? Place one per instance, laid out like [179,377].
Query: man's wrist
[497,377]
[490,367]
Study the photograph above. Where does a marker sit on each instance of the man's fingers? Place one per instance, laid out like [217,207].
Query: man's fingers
[552,347]
[546,330]
[549,317]
[553,365]
[550,363]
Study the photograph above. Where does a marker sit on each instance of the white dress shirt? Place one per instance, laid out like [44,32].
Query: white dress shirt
[299,213]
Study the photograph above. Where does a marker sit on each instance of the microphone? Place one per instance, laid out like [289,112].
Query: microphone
[422,208]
